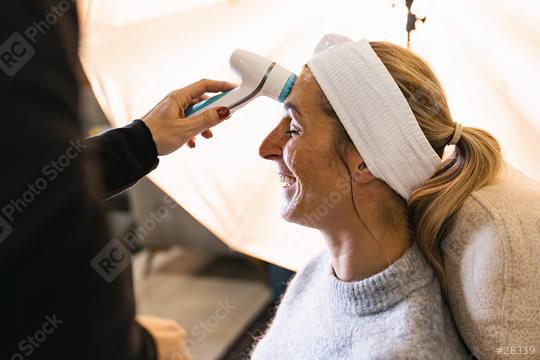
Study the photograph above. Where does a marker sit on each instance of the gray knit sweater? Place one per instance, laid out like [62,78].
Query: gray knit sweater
[396,314]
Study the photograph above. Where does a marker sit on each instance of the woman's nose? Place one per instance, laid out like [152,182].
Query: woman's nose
[272,146]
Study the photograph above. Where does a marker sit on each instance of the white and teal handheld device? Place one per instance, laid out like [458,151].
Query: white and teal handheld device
[259,76]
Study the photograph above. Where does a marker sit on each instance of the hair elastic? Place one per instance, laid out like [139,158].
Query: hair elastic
[458,129]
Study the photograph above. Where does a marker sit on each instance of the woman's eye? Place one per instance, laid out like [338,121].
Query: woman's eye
[292,132]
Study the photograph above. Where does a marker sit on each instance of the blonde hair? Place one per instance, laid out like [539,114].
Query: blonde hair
[476,162]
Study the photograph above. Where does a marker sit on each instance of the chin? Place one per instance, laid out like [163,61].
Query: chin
[297,215]
[288,214]
[299,206]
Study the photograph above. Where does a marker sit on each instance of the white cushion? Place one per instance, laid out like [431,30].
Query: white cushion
[492,260]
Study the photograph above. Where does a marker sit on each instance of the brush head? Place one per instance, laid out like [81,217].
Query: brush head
[287,88]
[279,83]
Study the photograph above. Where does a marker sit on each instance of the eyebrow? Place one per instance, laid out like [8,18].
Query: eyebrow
[291,107]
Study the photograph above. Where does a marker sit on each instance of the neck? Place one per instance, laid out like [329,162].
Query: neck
[360,249]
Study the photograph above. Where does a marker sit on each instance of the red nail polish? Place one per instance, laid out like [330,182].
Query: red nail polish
[223,112]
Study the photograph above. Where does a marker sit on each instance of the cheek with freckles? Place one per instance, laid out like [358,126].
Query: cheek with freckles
[310,160]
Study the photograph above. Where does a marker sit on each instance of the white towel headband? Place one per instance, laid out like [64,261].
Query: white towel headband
[374,113]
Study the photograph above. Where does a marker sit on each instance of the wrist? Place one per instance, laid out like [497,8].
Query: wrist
[151,135]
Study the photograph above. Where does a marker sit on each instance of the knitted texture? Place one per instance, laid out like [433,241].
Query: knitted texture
[396,314]
[374,113]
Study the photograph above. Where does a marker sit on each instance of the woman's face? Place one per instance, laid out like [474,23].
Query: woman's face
[302,146]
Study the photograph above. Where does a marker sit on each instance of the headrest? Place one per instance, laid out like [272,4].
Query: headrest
[492,260]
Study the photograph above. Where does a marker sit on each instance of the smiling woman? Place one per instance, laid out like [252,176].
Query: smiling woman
[359,154]
[300,144]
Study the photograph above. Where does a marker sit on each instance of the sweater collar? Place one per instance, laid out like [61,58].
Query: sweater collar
[382,290]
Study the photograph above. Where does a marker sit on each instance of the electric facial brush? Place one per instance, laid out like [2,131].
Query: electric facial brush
[259,76]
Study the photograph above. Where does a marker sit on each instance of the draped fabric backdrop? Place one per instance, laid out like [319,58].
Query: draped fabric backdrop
[486,54]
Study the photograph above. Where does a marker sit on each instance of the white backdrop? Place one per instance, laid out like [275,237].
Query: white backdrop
[486,54]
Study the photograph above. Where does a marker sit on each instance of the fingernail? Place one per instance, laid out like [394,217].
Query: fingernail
[223,112]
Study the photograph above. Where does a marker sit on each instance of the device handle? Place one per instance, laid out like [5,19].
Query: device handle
[202,104]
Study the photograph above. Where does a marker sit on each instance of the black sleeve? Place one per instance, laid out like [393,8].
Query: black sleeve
[62,296]
[125,154]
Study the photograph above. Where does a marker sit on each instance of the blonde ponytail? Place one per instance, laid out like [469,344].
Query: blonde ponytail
[476,161]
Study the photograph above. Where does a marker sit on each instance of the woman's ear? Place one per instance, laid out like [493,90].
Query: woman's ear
[357,167]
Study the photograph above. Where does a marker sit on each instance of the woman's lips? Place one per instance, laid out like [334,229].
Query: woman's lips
[286,180]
